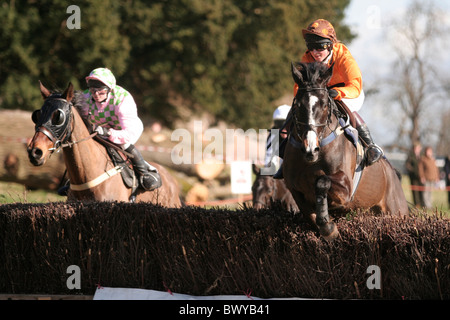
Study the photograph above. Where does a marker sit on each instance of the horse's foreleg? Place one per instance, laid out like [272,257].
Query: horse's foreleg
[327,227]
[306,211]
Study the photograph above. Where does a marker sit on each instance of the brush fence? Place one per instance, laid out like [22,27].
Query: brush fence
[270,253]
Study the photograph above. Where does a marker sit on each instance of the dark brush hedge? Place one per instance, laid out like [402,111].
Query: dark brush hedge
[270,253]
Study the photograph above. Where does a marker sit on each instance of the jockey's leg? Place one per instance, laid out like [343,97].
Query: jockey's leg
[149,179]
[62,191]
[373,151]
[279,173]
[282,147]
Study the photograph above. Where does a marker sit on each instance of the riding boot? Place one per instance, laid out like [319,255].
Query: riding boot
[279,173]
[64,186]
[282,146]
[373,151]
[63,191]
[148,179]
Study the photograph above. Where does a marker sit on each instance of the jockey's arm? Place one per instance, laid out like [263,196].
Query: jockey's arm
[346,74]
[351,90]
[131,125]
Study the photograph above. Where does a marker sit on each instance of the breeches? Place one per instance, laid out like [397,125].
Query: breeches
[355,104]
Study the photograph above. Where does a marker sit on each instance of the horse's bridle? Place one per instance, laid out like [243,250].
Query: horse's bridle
[59,140]
[312,125]
[58,132]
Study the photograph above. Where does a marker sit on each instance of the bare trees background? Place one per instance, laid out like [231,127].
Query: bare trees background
[419,81]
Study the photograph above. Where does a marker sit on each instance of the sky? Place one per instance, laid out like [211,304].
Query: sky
[370,20]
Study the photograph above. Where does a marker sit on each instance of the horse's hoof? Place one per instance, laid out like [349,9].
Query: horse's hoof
[329,231]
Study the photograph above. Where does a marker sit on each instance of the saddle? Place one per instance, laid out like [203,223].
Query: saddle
[127,173]
[121,159]
[344,112]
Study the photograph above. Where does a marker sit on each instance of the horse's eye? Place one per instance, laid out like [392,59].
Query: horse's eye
[58,117]
[35,116]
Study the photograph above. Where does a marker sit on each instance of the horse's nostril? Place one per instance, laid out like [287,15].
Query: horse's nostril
[37,153]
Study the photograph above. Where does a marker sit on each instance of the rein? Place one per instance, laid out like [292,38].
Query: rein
[70,144]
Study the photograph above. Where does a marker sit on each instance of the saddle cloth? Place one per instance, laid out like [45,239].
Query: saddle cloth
[352,134]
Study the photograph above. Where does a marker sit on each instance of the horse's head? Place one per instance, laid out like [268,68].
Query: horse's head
[263,189]
[52,124]
[311,109]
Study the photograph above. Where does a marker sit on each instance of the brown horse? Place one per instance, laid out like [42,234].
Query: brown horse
[320,163]
[90,169]
[268,191]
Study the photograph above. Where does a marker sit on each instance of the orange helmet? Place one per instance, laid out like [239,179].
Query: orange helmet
[321,28]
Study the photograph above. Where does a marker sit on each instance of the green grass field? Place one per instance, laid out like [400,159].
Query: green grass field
[14,192]
[439,198]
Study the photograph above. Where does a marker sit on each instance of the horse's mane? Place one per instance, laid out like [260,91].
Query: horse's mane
[77,102]
[77,98]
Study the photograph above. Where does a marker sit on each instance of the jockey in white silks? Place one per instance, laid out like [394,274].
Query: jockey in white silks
[272,161]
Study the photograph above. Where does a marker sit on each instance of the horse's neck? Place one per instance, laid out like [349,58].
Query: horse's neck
[85,158]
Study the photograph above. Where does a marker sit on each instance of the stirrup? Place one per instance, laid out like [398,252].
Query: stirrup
[150,181]
[373,154]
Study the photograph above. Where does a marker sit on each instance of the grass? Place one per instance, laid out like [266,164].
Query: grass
[439,198]
[13,192]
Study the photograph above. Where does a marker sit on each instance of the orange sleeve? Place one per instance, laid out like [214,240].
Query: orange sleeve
[346,71]
[351,90]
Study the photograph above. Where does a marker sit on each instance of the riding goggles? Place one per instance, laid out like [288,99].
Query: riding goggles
[319,46]
[98,90]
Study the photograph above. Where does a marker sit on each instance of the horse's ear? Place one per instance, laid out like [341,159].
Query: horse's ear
[44,91]
[296,74]
[256,170]
[68,94]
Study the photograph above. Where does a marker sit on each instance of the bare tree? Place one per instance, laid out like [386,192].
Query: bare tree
[418,39]
[443,146]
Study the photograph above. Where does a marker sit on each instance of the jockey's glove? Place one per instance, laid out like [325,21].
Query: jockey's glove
[333,93]
[105,132]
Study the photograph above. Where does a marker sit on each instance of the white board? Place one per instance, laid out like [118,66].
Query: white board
[241,177]
[108,293]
